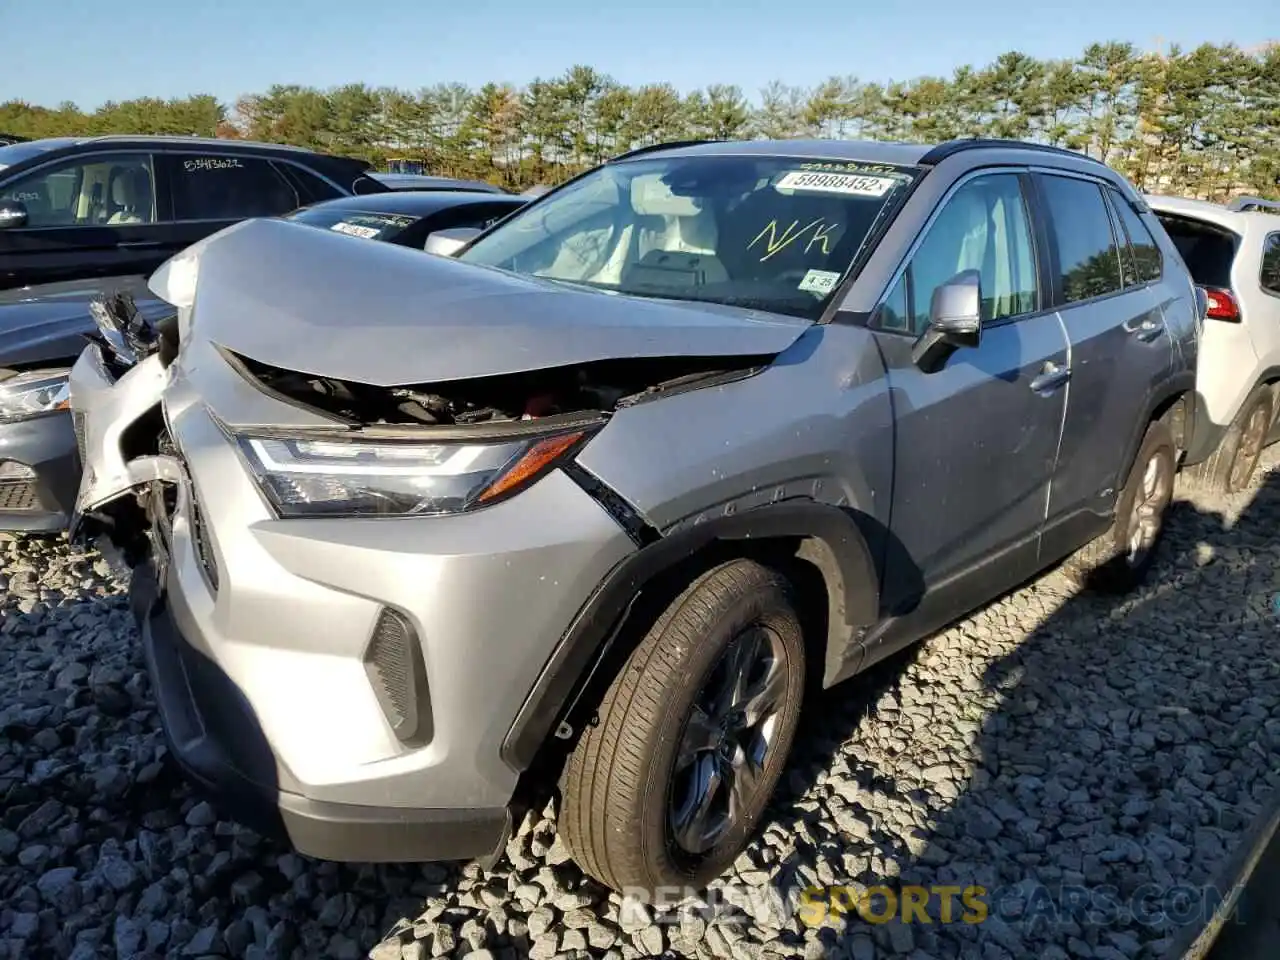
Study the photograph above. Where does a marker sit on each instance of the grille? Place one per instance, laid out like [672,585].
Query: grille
[200,540]
[77,424]
[395,667]
[18,495]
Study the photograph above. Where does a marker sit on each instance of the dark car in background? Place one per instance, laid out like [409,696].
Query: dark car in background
[72,208]
[426,181]
[408,219]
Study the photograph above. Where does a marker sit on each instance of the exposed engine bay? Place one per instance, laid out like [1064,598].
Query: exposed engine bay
[598,387]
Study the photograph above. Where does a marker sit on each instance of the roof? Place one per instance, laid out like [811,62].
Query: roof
[178,140]
[864,151]
[416,203]
[1237,221]
[867,151]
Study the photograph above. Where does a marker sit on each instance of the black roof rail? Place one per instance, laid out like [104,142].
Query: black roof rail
[654,147]
[952,147]
[1244,204]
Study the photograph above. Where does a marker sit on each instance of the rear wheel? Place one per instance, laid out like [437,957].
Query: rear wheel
[1230,468]
[1121,558]
[693,734]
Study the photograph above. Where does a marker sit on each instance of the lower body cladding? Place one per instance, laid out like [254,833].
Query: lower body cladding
[39,473]
[353,680]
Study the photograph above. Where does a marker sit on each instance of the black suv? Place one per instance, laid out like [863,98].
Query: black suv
[73,208]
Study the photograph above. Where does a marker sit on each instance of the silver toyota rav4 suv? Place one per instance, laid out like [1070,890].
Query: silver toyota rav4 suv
[596,503]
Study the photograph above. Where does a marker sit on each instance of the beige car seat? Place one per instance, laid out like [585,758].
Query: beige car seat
[131,194]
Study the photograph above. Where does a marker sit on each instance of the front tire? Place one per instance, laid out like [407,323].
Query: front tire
[669,786]
[1120,559]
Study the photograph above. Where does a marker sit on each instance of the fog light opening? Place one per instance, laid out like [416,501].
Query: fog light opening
[393,661]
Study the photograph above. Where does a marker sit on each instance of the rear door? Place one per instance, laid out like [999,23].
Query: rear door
[1120,349]
[209,190]
[93,215]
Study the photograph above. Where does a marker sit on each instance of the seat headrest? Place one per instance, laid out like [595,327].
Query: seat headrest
[131,186]
[650,197]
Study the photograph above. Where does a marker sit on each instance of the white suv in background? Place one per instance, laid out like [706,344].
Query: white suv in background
[1233,252]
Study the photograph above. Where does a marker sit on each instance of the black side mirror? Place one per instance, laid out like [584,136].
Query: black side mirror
[955,321]
[13,213]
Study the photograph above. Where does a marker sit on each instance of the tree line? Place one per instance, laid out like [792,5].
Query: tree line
[1203,122]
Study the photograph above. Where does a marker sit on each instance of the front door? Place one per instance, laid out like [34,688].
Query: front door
[91,216]
[976,441]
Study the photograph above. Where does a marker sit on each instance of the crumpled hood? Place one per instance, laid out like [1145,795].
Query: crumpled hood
[310,300]
[47,324]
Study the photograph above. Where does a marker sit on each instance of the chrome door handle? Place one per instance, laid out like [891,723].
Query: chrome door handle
[1051,378]
[1146,331]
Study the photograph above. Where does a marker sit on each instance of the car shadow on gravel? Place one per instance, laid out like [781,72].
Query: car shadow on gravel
[1110,753]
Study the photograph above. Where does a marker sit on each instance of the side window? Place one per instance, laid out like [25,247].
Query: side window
[1088,256]
[1142,264]
[1270,277]
[984,226]
[207,187]
[89,191]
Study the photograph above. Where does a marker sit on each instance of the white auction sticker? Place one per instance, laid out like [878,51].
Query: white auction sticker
[819,281]
[355,230]
[856,184]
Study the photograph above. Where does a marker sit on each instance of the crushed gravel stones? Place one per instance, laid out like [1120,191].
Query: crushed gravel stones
[1050,742]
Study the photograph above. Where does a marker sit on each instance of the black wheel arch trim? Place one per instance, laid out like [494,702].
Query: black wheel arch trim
[831,540]
[1181,384]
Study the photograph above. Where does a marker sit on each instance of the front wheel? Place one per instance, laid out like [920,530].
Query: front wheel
[668,787]
[1121,558]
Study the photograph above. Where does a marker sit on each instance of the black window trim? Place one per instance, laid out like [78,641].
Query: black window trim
[1114,199]
[1030,202]
[1059,297]
[1272,235]
[158,201]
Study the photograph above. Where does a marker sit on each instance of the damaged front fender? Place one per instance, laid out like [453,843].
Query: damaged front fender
[118,426]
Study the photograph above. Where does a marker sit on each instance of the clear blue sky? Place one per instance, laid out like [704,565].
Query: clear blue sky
[90,51]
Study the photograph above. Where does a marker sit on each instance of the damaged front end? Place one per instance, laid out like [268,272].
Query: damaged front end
[115,390]
[401,385]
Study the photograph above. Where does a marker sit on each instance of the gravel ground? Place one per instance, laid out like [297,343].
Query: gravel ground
[1049,740]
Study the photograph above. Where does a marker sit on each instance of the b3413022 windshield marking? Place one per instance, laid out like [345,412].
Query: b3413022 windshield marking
[821,233]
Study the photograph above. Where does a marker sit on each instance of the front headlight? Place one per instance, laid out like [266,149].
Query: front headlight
[341,478]
[29,394]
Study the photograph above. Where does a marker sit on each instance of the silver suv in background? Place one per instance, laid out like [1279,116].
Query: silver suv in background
[1233,252]
[599,502]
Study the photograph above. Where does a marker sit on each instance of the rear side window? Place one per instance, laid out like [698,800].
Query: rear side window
[1208,250]
[1088,256]
[1270,277]
[227,188]
[1141,252]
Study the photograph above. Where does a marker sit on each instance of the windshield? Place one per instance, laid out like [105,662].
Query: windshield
[769,233]
[356,223]
[17,152]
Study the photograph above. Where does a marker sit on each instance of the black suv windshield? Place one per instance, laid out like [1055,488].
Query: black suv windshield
[769,233]
[357,223]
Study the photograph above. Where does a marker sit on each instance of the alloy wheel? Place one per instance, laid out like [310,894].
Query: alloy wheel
[727,740]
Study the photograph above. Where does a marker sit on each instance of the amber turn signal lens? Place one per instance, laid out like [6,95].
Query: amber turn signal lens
[541,455]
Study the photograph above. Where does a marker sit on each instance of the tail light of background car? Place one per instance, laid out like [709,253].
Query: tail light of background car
[1222,305]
